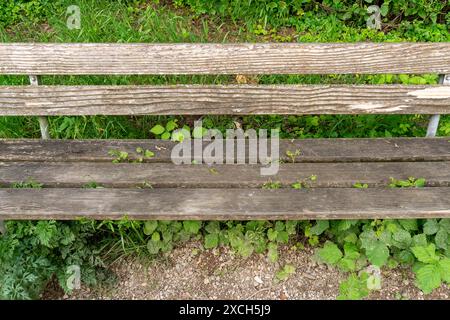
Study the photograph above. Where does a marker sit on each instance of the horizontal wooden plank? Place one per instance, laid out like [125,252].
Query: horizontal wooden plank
[242,58]
[233,99]
[311,150]
[165,175]
[224,204]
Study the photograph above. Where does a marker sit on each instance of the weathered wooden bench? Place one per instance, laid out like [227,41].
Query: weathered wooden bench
[230,191]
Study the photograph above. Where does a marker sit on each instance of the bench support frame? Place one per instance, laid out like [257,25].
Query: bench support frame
[433,124]
[43,122]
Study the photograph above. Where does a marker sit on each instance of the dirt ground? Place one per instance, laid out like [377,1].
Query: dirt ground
[189,272]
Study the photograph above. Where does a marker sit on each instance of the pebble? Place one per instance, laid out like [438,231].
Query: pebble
[258,280]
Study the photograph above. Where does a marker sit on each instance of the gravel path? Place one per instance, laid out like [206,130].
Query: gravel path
[189,272]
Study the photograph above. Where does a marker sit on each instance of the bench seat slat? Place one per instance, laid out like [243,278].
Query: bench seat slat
[165,175]
[223,100]
[224,204]
[311,150]
[243,58]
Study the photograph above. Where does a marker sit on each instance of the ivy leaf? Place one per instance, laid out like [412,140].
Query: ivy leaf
[425,254]
[378,255]
[157,129]
[330,253]
[428,278]
[430,227]
[320,227]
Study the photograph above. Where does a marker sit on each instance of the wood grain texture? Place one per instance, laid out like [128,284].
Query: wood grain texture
[244,58]
[164,175]
[311,150]
[224,204]
[223,100]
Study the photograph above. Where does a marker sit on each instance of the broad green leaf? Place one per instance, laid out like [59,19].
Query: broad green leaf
[401,239]
[445,224]
[272,252]
[279,226]
[320,227]
[199,132]
[351,251]
[149,154]
[354,288]
[330,253]
[430,227]
[211,240]
[171,125]
[347,264]
[444,267]
[441,239]
[346,224]
[405,256]
[428,278]
[272,234]
[419,240]
[213,227]
[368,239]
[378,254]
[425,254]
[156,236]
[291,226]
[192,226]
[153,247]
[150,227]
[157,129]
[409,224]
[283,237]
[165,136]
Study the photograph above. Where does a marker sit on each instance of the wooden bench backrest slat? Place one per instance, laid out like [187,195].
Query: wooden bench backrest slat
[189,99]
[267,58]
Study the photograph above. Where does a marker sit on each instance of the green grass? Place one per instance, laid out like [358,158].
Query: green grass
[128,21]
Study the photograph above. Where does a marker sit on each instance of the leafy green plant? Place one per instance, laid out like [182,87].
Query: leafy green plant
[411,182]
[431,269]
[286,272]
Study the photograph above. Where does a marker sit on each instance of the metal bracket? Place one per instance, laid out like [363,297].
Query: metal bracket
[433,125]
[43,122]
